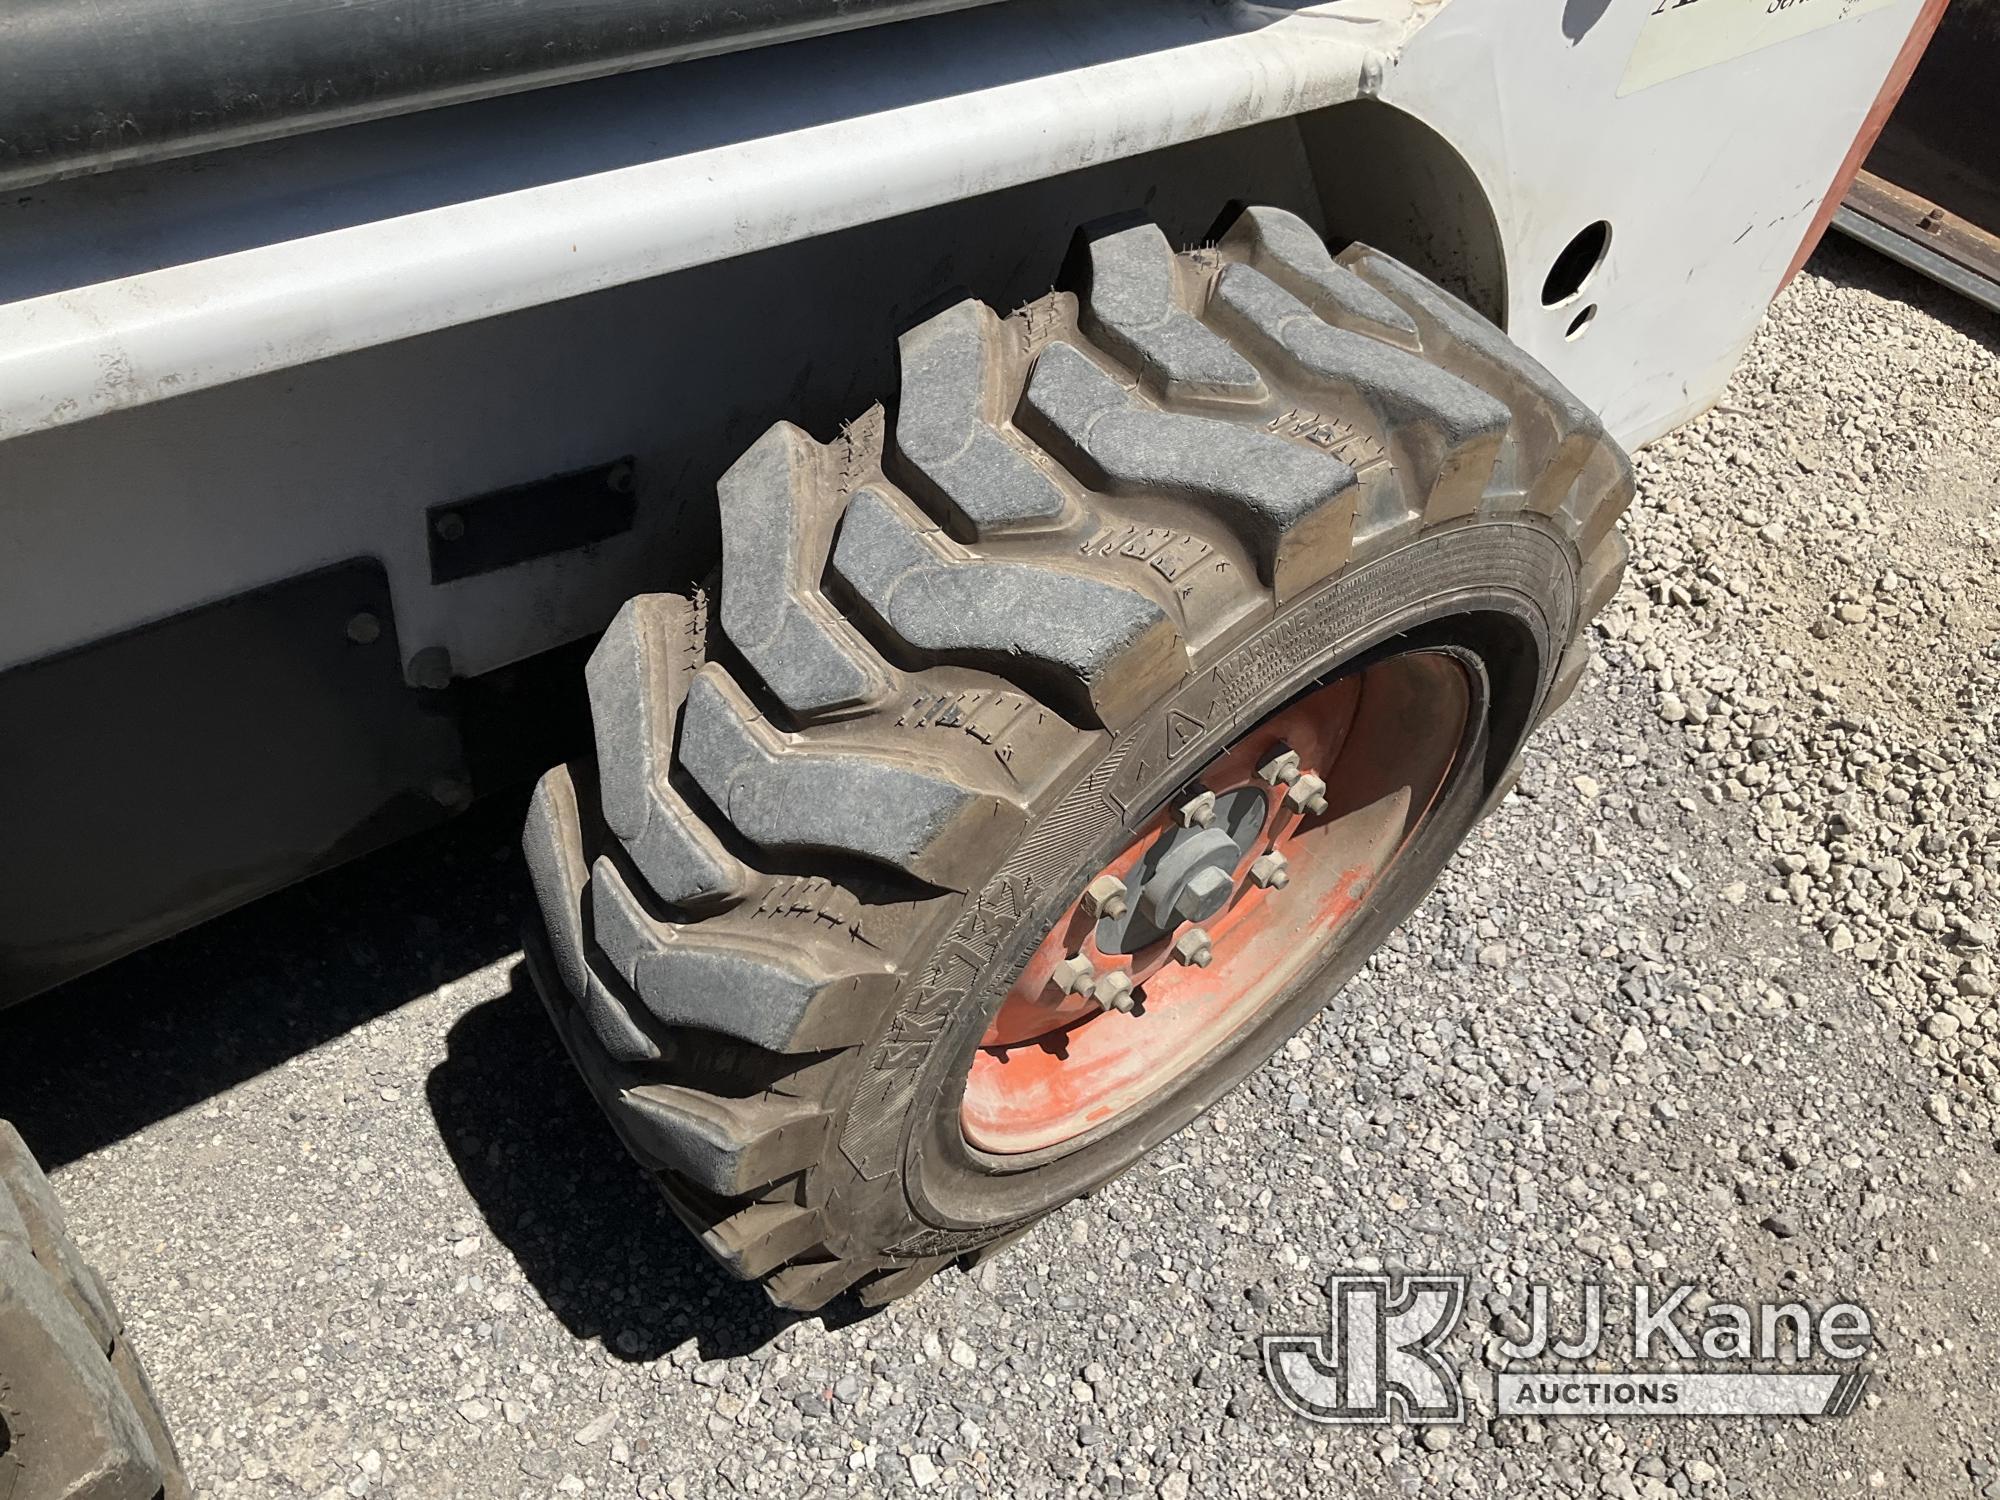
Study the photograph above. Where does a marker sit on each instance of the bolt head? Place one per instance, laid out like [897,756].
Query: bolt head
[1114,991]
[1281,768]
[1272,871]
[1106,897]
[1197,812]
[1194,949]
[429,668]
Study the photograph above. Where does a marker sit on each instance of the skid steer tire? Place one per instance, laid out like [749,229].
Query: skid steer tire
[968,648]
[77,1415]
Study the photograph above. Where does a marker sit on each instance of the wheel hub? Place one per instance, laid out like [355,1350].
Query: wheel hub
[1195,878]
[1221,899]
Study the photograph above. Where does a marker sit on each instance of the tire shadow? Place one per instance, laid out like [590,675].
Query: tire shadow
[579,1216]
[104,1056]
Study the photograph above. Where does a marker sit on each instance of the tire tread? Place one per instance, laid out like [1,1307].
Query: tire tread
[923,621]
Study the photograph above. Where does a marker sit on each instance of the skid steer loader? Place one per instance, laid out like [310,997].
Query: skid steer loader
[1064,517]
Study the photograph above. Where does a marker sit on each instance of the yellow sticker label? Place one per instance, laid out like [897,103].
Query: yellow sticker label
[1684,36]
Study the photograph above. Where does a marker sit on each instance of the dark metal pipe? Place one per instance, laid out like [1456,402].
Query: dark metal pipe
[89,86]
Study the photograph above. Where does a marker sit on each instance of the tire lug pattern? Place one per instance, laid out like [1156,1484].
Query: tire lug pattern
[778,515]
[1294,505]
[1111,647]
[1290,252]
[759,1239]
[1130,308]
[551,844]
[1569,672]
[722,1144]
[810,1286]
[947,432]
[1559,435]
[784,997]
[900,1281]
[1604,488]
[1446,432]
[1603,567]
[876,801]
[637,680]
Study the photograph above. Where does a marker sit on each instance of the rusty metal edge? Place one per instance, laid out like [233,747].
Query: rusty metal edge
[1951,235]
[1903,248]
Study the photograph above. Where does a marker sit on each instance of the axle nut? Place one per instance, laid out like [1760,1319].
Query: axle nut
[1105,897]
[1205,894]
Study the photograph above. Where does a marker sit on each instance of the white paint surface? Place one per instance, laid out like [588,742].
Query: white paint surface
[1015,94]
[241,275]
[1710,180]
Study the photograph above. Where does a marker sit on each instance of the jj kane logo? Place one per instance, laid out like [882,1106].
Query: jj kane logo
[1382,1358]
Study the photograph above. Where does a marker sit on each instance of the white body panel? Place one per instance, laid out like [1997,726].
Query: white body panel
[1016,97]
[222,373]
[1709,180]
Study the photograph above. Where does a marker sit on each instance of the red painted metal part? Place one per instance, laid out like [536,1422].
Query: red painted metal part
[1053,1067]
[1905,65]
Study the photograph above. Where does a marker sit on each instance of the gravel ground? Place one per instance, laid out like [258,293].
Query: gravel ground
[1710,999]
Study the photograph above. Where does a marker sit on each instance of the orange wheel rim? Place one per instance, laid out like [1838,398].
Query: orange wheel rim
[1276,875]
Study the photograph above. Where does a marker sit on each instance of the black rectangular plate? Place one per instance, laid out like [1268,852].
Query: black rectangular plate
[526,521]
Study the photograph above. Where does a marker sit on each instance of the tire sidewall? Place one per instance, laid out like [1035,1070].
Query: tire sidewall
[908,1186]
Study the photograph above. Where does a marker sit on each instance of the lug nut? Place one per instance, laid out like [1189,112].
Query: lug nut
[1307,793]
[1114,991]
[1198,812]
[1105,897]
[1194,949]
[1281,769]
[1074,975]
[1272,872]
